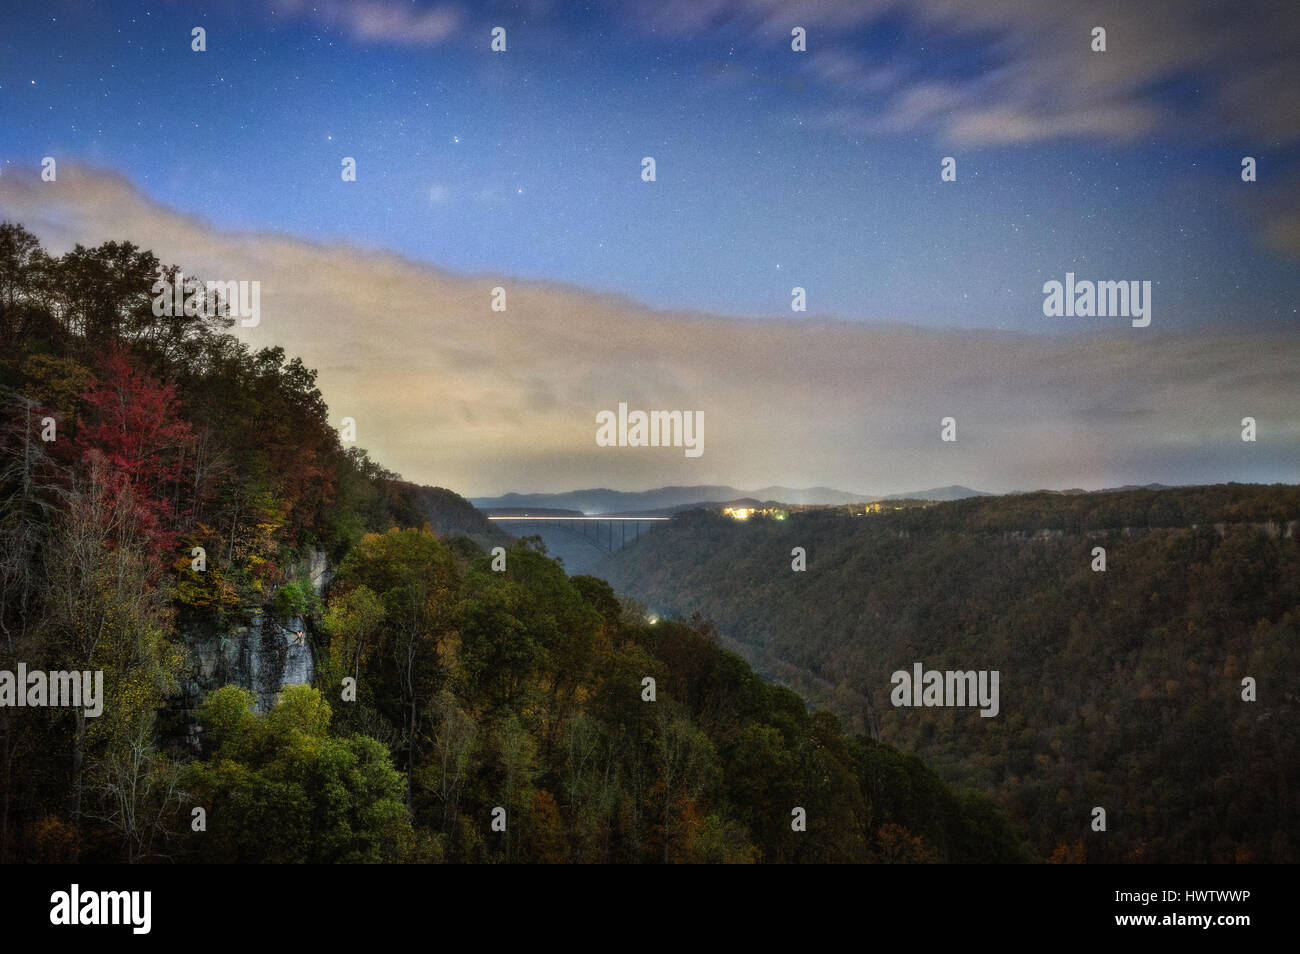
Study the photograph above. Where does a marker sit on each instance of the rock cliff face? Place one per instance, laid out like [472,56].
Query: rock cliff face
[263,654]
[320,571]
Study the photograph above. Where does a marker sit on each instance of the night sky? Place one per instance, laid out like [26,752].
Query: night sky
[775,169]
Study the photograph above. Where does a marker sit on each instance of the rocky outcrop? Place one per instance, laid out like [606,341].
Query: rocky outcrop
[320,571]
[263,654]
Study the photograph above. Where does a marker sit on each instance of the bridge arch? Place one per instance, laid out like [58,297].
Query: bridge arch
[606,534]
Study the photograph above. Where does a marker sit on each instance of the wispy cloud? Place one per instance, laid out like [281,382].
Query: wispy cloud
[1042,80]
[447,391]
[382,21]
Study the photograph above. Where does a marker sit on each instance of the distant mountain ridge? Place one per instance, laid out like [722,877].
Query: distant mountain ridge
[602,500]
[951,492]
[668,500]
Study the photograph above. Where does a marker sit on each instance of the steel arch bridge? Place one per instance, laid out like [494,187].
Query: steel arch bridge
[599,532]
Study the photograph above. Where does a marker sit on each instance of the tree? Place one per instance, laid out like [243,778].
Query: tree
[24,270]
[687,768]
[141,793]
[516,753]
[414,577]
[132,420]
[447,769]
[103,611]
[278,788]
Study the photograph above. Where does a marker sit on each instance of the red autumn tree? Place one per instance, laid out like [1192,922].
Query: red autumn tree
[131,418]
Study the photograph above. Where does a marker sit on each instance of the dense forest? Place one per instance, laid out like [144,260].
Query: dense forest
[1120,688]
[162,485]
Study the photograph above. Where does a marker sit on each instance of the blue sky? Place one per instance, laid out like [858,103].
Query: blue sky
[775,169]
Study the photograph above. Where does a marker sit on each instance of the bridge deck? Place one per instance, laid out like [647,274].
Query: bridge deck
[578,526]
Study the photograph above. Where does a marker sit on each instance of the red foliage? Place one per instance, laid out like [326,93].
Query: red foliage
[131,419]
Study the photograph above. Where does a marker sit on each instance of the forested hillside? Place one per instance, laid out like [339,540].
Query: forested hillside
[1120,688]
[447,513]
[162,483]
